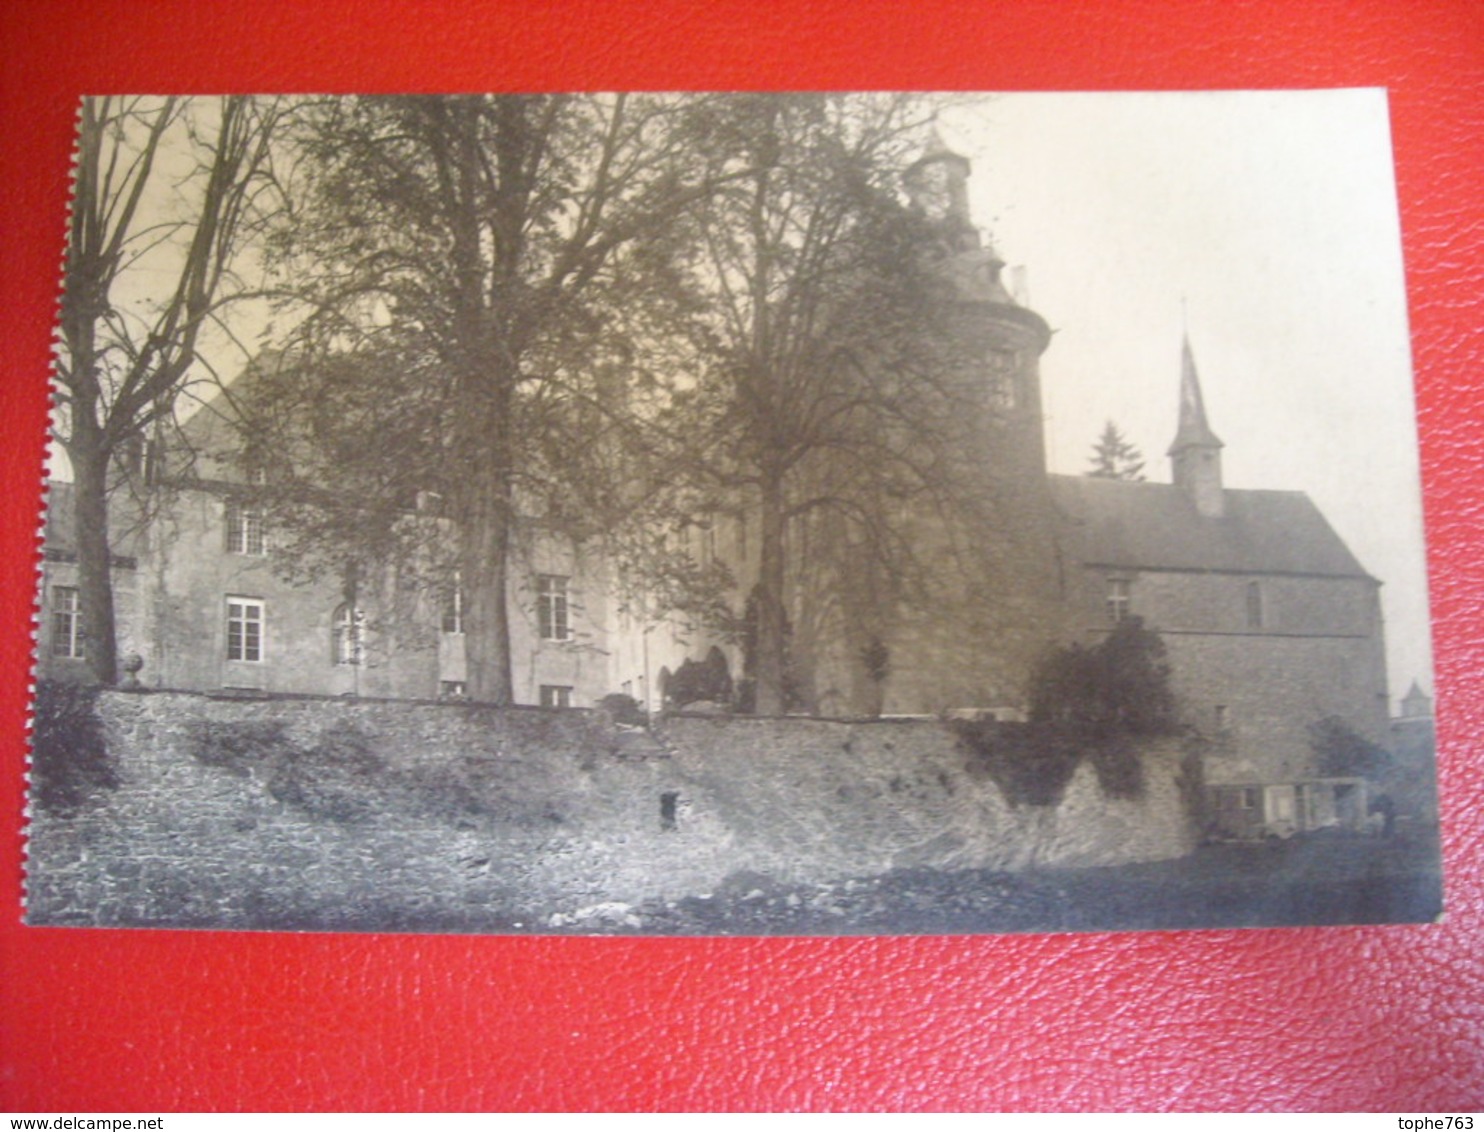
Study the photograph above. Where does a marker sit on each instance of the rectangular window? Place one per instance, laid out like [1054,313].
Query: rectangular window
[244,629]
[551,607]
[556,695]
[453,608]
[452,689]
[66,622]
[349,642]
[1223,718]
[1118,599]
[244,530]
[1000,371]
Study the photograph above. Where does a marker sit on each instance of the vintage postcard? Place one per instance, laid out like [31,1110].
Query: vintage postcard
[733,514]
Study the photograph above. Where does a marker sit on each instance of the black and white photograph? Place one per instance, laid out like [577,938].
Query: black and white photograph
[733,514]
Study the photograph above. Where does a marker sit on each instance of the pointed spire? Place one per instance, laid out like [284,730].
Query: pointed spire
[1416,704]
[1195,455]
[936,147]
[1193,431]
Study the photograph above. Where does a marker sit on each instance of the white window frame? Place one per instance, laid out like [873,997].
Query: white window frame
[1118,600]
[553,607]
[556,695]
[246,532]
[452,614]
[67,622]
[348,635]
[247,650]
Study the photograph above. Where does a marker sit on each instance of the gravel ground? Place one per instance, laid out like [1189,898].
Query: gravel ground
[1317,879]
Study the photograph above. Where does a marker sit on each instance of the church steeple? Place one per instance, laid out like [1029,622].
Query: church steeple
[1195,455]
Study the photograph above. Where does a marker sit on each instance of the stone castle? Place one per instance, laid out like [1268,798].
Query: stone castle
[1270,622]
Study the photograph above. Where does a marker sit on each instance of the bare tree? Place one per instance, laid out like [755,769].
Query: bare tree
[122,360]
[826,397]
[480,271]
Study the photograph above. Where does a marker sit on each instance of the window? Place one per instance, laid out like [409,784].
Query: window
[551,607]
[453,607]
[1000,368]
[66,622]
[1223,718]
[452,689]
[1118,599]
[348,633]
[669,808]
[1254,606]
[244,629]
[556,695]
[244,530]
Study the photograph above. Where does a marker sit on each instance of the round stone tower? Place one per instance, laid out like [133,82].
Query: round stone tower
[993,604]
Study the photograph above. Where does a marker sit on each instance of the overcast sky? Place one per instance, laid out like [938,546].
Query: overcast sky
[1273,216]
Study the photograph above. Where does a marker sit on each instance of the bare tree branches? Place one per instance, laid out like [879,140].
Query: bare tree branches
[123,358]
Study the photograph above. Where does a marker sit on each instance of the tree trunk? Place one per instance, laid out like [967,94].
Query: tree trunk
[485,555]
[485,535]
[771,642]
[95,580]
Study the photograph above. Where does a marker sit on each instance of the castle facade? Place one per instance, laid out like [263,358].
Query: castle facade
[1270,622]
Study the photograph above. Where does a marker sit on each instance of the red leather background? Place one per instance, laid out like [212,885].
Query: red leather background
[1385,1018]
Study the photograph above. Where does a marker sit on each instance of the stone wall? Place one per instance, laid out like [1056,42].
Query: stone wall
[340,813]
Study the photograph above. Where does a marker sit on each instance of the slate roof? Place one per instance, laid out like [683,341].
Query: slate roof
[1153,526]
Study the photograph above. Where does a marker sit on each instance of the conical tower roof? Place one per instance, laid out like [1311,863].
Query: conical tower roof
[1193,431]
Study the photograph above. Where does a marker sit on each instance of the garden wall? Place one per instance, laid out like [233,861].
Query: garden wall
[344,813]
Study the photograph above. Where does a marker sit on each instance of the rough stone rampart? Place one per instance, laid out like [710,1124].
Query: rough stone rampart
[339,813]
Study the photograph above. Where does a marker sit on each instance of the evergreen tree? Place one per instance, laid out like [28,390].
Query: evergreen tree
[1114,458]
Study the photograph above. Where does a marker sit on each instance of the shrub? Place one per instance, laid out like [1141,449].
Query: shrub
[623,708]
[239,746]
[340,778]
[69,759]
[1031,765]
[694,681]
[1120,686]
